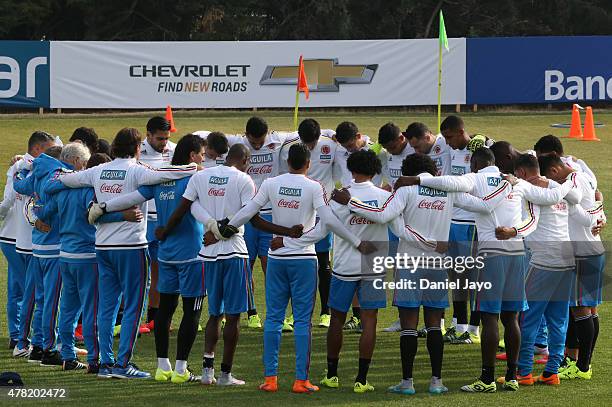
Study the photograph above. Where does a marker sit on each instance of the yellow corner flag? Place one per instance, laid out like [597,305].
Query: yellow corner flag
[443,39]
[302,86]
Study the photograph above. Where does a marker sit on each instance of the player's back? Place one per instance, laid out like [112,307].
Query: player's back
[294,199]
[185,241]
[110,180]
[77,236]
[222,191]
[347,259]
[428,212]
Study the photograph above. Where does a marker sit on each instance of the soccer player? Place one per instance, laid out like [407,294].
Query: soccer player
[462,237]
[180,269]
[264,162]
[291,273]
[326,167]
[590,258]
[504,261]
[351,275]
[216,148]
[87,136]
[45,244]
[396,149]
[121,249]
[77,263]
[423,141]
[423,209]
[550,144]
[32,304]
[156,151]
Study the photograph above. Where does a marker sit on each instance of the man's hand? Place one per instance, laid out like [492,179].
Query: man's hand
[511,179]
[276,243]
[342,196]
[598,196]
[441,246]
[226,230]
[366,247]
[209,238]
[387,187]
[42,226]
[94,212]
[538,181]
[16,158]
[296,231]
[405,181]
[596,230]
[505,233]
[213,227]
[160,233]
[133,214]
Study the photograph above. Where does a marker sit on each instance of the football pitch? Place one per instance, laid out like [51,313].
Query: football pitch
[461,362]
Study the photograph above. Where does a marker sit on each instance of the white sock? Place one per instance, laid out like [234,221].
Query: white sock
[442,323]
[461,328]
[474,330]
[164,364]
[407,383]
[454,322]
[180,367]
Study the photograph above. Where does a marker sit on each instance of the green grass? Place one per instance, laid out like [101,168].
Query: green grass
[461,362]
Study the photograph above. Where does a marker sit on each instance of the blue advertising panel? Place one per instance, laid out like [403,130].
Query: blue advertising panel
[24,73]
[539,69]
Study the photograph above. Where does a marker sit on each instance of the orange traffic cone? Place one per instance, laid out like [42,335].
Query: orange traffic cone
[589,126]
[170,119]
[576,126]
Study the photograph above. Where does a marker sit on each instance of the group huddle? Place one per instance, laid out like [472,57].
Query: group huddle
[93,233]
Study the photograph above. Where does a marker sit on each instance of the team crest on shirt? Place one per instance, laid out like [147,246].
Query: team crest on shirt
[218,180]
[113,174]
[325,149]
[467,158]
[271,146]
[437,149]
[290,191]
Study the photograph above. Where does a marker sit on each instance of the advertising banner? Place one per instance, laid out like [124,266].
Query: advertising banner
[24,73]
[135,75]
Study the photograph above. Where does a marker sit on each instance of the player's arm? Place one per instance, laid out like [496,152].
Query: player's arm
[78,179]
[391,209]
[544,196]
[8,198]
[138,197]
[47,211]
[587,217]
[253,206]
[327,217]
[22,184]
[262,224]
[283,166]
[410,235]
[479,205]
[200,214]
[149,176]
[450,183]
[523,229]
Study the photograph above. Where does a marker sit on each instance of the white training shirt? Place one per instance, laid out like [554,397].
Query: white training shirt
[347,177]
[265,162]
[426,215]
[585,244]
[440,153]
[460,165]
[392,163]
[23,228]
[294,199]
[9,209]
[325,161]
[222,191]
[119,177]
[155,159]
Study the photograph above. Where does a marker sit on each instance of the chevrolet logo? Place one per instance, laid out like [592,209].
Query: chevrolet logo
[324,75]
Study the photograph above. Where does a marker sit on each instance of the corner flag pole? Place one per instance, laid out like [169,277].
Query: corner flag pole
[302,85]
[443,42]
